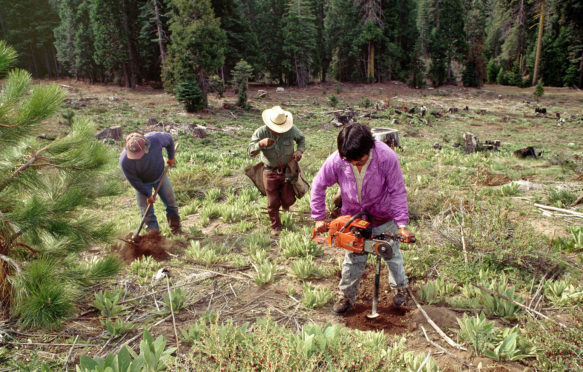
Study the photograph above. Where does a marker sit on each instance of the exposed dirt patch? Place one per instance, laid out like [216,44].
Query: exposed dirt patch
[392,320]
[151,244]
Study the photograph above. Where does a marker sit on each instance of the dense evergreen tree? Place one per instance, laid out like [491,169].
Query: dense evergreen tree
[197,46]
[475,62]
[343,27]
[28,26]
[299,43]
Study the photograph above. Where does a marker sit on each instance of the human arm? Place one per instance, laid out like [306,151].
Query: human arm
[395,188]
[166,142]
[325,178]
[259,140]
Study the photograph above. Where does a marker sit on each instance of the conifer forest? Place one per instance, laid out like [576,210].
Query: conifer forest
[478,104]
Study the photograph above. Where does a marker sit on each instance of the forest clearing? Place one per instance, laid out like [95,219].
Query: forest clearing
[242,300]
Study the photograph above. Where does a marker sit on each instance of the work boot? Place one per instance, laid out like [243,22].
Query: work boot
[342,306]
[275,232]
[399,296]
[174,223]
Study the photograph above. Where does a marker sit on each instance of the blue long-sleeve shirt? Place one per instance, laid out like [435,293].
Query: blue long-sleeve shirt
[150,167]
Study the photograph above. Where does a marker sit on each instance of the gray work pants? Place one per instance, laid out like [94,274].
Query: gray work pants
[354,266]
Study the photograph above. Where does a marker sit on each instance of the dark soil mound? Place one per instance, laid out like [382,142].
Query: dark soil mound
[392,320]
[151,244]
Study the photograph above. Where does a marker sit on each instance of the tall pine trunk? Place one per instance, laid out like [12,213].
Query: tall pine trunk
[160,32]
[133,69]
[370,67]
[539,42]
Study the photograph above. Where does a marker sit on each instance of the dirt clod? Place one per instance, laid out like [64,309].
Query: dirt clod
[150,244]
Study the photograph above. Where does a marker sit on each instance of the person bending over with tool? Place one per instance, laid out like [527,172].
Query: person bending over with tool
[275,142]
[370,181]
[142,164]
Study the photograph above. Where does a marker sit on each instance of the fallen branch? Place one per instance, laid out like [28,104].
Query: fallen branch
[435,326]
[462,361]
[528,309]
[576,202]
[70,351]
[572,213]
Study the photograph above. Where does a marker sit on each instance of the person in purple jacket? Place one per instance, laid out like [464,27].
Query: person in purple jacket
[370,181]
[142,164]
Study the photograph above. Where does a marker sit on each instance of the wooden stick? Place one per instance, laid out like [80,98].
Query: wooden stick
[573,213]
[462,361]
[579,200]
[172,312]
[518,304]
[69,355]
[435,326]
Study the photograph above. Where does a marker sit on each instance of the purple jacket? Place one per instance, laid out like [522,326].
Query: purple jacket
[383,190]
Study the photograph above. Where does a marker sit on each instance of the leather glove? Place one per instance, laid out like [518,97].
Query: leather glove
[171,162]
[297,155]
[408,236]
[151,200]
[266,142]
[321,226]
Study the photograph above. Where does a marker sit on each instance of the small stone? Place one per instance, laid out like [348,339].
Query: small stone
[279,90]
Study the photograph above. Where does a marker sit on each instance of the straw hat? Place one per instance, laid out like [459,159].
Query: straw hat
[278,120]
[136,146]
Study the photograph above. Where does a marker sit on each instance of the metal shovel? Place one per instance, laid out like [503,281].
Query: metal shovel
[375,300]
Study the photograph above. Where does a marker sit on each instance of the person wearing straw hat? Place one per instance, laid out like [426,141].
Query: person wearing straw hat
[275,142]
[142,164]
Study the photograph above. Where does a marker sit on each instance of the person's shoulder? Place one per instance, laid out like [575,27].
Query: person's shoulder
[384,152]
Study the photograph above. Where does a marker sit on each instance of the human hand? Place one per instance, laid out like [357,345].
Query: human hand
[266,142]
[151,199]
[171,162]
[297,155]
[321,226]
[408,236]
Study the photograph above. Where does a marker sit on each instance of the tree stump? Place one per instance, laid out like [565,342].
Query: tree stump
[114,133]
[470,142]
[387,135]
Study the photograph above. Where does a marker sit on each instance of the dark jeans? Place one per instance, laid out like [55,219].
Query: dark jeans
[279,193]
[166,194]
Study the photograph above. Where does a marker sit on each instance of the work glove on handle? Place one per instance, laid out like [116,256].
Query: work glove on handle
[171,162]
[321,226]
[408,236]
[297,155]
[151,199]
[266,142]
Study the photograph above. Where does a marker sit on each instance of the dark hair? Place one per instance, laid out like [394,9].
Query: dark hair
[355,141]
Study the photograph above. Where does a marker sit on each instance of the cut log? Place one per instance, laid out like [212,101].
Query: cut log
[470,142]
[387,135]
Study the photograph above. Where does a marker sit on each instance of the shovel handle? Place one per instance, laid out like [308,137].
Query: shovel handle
[150,205]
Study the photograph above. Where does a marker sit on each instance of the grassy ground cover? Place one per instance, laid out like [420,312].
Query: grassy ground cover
[241,300]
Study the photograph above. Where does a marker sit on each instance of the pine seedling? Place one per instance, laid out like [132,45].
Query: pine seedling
[43,299]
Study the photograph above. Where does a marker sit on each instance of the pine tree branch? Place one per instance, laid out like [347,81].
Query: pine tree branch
[29,162]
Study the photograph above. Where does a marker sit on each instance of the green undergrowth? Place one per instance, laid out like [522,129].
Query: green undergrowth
[265,345]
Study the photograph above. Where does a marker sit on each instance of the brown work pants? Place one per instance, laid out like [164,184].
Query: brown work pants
[279,193]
